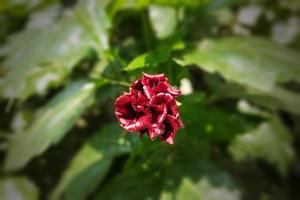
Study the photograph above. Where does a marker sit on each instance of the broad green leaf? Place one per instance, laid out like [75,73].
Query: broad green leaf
[173,181]
[188,3]
[258,65]
[50,124]
[254,62]
[39,79]
[21,7]
[91,163]
[49,43]
[152,58]
[270,141]
[164,166]
[212,123]
[203,189]
[276,99]
[17,188]
[92,17]
[163,20]
[117,5]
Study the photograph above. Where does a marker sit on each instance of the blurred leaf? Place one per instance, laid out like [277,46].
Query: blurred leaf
[17,188]
[91,163]
[270,141]
[47,43]
[170,182]
[117,5]
[91,15]
[163,20]
[220,4]
[50,124]
[189,3]
[258,64]
[152,58]
[22,7]
[204,190]
[254,62]
[213,123]
[276,99]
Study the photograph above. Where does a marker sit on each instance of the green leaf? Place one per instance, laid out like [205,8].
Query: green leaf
[92,17]
[254,62]
[22,7]
[117,5]
[188,3]
[203,189]
[152,58]
[212,123]
[48,43]
[17,188]
[193,179]
[270,141]
[50,124]
[91,163]
[257,64]
[276,99]
[165,168]
[163,20]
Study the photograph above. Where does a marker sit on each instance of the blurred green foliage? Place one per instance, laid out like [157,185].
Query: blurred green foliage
[63,63]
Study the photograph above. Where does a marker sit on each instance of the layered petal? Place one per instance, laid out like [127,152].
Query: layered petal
[150,107]
[168,100]
[156,130]
[172,124]
[131,115]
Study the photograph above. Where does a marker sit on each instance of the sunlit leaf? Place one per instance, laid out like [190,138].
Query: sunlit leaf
[257,64]
[249,61]
[49,43]
[189,180]
[50,124]
[17,188]
[163,20]
[91,163]
[152,58]
[203,189]
[270,141]
[215,123]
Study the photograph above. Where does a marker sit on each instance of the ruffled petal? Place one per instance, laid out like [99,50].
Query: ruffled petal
[156,130]
[128,116]
[139,102]
[139,124]
[136,87]
[150,107]
[168,100]
[172,124]
[159,113]
[166,88]
[161,98]
[154,77]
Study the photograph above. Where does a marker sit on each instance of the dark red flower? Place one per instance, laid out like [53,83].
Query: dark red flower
[150,107]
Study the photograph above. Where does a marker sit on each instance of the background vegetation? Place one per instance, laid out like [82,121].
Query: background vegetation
[63,63]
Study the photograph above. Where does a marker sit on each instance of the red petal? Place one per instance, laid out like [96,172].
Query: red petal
[166,88]
[170,139]
[159,113]
[172,124]
[156,130]
[155,77]
[136,87]
[161,98]
[148,91]
[129,118]
[138,124]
